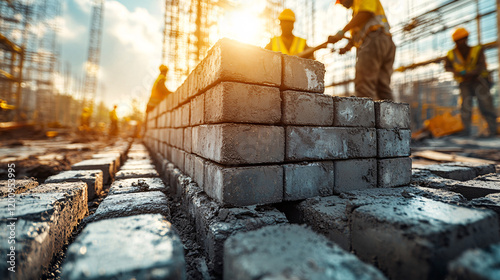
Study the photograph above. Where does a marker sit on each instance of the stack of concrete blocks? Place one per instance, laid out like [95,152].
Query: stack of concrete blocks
[252,126]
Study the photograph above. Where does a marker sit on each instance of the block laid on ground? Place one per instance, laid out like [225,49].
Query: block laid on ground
[215,224]
[153,250]
[303,74]
[303,108]
[308,180]
[229,60]
[137,185]
[453,172]
[129,204]
[230,102]
[106,165]
[93,179]
[423,235]
[137,166]
[393,143]
[354,174]
[116,156]
[475,188]
[290,252]
[393,172]
[320,143]
[239,143]
[353,112]
[478,168]
[241,186]
[136,173]
[139,155]
[490,177]
[425,178]
[476,264]
[16,186]
[41,223]
[389,115]
[326,215]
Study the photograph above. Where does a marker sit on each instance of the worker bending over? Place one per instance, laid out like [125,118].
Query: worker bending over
[375,49]
[159,90]
[113,117]
[288,43]
[468,65]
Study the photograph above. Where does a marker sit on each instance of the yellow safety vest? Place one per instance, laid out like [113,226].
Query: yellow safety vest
[298,45]
[460,64]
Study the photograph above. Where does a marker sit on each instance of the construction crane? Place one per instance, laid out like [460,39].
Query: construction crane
[94,53]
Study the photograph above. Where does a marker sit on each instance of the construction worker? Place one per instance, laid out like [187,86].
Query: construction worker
[85,119]
[288,43]
[113,130]
[159,90]
[468,64]
[375,49]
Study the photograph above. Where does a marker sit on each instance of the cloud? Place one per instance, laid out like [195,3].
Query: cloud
[69,29]
[85,5]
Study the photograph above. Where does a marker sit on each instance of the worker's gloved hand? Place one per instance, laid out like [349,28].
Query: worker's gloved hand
[335,38]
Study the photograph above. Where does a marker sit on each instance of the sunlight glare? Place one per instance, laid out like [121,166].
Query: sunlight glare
[243,26]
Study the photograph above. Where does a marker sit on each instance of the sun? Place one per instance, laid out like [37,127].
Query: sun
[242,25]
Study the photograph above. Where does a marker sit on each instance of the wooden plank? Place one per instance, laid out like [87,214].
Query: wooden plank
[437,156]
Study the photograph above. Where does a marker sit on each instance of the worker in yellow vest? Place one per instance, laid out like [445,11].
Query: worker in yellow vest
[288,43]
[159,90]
[468,64]
[376,50]
[113,117]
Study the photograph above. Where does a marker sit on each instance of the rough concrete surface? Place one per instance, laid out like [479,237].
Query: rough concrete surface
[113,155]
[476,264]
[393,172]
[389,115]
[306,180]
[242,186]
[136,185]
[230,102]
[198,110]
[423,235]
[320,143]
[129,204]
[303,74]
[137,166]
[137,247]
[353,112]
[454,172]
[106,165]
[354,174]
[136,173]
[475,188]
[93,179]
[290,252]
[303,108]
[393,143]
[16,186]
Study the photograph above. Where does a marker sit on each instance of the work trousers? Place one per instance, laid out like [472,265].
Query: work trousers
[481,90]
[375,59]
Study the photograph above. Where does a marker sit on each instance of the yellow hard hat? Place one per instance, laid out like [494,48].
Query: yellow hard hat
[163,68]
[460,33]
[287,14]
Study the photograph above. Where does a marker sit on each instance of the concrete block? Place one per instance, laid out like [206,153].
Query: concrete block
[41,221]
[185,114]
[229,60]
[423,244]
[230,102]
[187,140]
[451,171]
[242,186]
[390,115]
[106,165]
[116,156]
[479,168]
[393,143]
[189,165]
[355,174]
[177,138]
[476,264]
[199,170]
[198,110]
[239,143]
[393,172]
[327,216]
[131,162]
[136,173]
[140,155]
[495,177]
[323,143]
[303,74]
[475,188]
[353,112]
[286,251]
[137,166]
[129,204]
[178,158]
[303,108]
[306,180]
[154,250]
[174,175]
[93,179]
[136,185]
[16,186]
